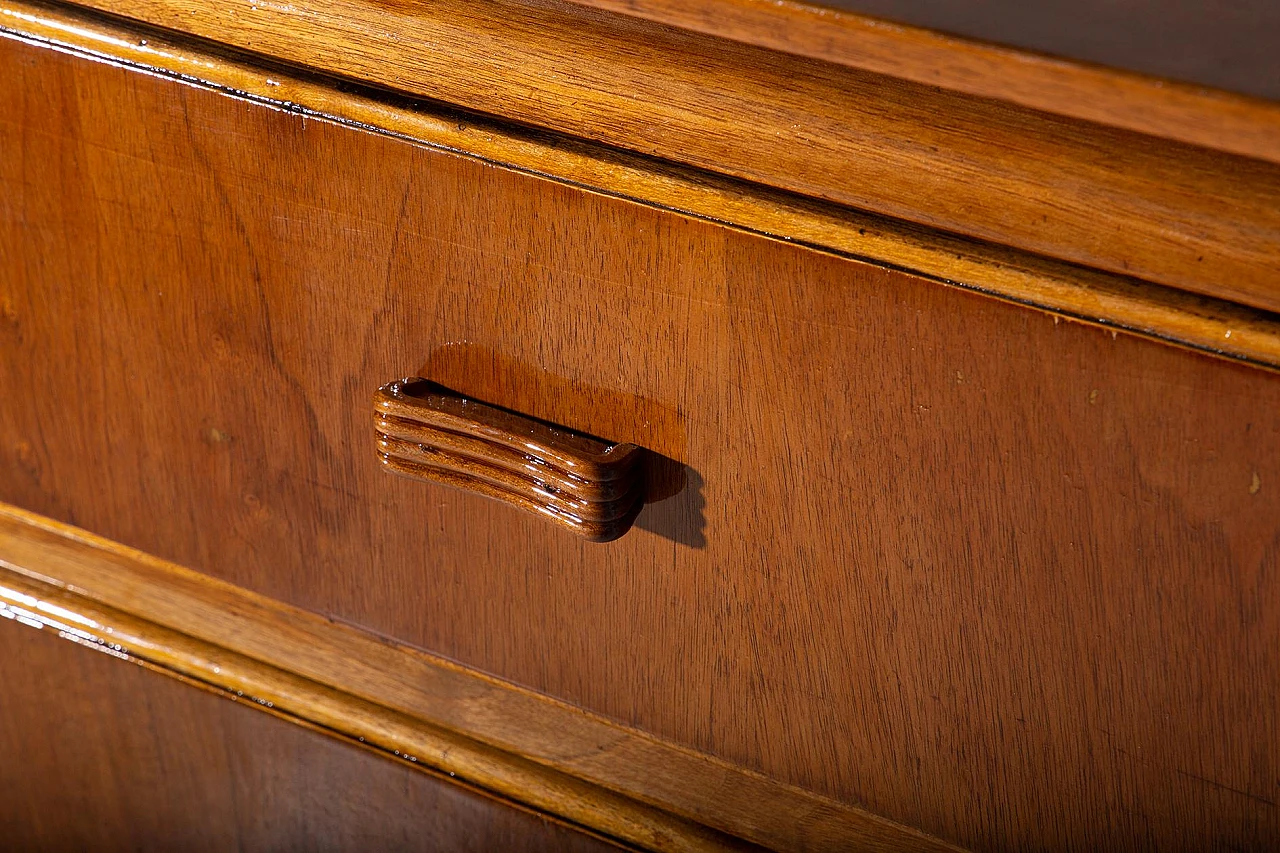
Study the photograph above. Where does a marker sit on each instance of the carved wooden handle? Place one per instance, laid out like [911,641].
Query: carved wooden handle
[428,432]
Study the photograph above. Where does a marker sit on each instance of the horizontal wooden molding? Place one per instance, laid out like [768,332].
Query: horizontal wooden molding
[1131,204]
[1119,302]
[540,753]
[1225,121]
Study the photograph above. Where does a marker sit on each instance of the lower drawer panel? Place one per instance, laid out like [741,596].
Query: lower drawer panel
[102,755]
[1005,579]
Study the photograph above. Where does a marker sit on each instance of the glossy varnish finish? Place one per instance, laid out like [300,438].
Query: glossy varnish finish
[1162,313]
[1160,210]
[102,755]
[429,712]
[1188,113]
[590,487]
[998,577]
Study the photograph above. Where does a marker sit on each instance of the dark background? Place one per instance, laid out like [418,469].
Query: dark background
[1228,44]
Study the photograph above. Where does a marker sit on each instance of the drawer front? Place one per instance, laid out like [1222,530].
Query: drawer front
[989,574]
[104,756]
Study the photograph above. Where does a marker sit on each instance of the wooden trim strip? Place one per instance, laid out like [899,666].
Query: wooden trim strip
[1131,204]
[552,757]
[1198,115]
[1117,302]
[40,604]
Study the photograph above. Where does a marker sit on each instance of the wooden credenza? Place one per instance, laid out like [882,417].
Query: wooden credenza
[950,370]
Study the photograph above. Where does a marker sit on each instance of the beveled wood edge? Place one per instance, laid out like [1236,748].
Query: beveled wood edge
[361,743]
[1173,316]
[45,605]
[1199,115]
[552,757]
[1166,212]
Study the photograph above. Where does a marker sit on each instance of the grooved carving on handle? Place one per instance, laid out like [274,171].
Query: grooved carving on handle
[589,486]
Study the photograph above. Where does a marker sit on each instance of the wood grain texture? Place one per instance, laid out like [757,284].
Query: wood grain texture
[1184,112]
[1115,301]
[423,710]
[590,487]
[1198,220]
[1030,606]
[100,755]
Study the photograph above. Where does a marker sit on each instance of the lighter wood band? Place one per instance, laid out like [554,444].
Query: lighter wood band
[415,708]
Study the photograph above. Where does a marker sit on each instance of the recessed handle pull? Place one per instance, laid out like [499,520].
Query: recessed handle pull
[428,432]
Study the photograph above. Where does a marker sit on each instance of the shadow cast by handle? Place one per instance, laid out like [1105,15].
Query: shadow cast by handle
[674,499]
[674,502]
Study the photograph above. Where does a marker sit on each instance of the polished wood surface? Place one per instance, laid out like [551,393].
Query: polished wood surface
[1115,301]
[1135,205]
[983,571]
[590,487]
[102,755]
[419,708]
[1187,113]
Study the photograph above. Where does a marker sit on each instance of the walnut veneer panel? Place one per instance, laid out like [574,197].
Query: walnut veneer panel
[998,577]
[102,755]
[1133,205]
